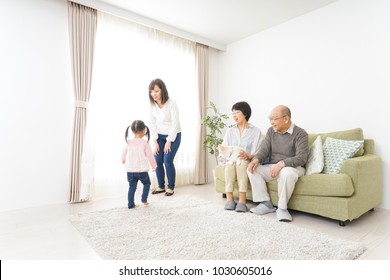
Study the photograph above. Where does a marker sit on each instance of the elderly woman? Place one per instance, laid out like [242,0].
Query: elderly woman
[247,137]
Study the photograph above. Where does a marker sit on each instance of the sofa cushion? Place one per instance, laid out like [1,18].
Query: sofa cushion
[321,185]
[315,161]
[351,134]
[336,151]
[311,185]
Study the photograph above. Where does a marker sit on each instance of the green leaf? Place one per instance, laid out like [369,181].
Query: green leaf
[214,123]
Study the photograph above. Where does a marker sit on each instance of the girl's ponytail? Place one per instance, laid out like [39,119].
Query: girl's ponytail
[147,132]
[127,133]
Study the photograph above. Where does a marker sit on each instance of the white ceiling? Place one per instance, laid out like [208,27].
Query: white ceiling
[221,21]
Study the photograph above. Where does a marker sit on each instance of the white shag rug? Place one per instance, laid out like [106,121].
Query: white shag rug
[188,228]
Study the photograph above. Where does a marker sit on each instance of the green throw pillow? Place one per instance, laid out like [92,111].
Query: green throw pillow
[336,151]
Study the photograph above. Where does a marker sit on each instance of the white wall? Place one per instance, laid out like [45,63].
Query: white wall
[331,67]
[36,108]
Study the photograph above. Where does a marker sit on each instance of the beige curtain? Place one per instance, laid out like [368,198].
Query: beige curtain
[202,72]
[82,30]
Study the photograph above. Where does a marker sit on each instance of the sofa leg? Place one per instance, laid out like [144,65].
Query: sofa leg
[372,210]
[342,223]
[224,195]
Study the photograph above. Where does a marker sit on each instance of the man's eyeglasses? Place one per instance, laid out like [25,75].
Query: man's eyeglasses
[275,119]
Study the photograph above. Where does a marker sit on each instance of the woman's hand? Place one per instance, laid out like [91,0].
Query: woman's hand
[167,147]
[244,156]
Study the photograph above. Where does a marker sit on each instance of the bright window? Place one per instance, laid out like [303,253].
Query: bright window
[127,57]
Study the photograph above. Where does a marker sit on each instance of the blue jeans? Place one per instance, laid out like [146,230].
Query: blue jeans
[133,178]
[167,160]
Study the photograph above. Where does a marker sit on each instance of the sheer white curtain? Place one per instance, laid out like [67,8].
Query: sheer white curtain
[127,57]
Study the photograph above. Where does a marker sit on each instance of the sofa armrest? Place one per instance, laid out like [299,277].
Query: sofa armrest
[369,146]
[366,174]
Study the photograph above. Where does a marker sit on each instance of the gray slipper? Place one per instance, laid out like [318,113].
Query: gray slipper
[283,215]
[261,209]
[230,205]
[241,207]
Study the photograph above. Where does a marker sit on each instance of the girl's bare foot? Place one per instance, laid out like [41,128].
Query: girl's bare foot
[146,203]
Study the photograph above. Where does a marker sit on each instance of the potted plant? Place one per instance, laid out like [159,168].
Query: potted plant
[215,122]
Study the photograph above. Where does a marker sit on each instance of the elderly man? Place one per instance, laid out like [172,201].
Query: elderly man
[283,152]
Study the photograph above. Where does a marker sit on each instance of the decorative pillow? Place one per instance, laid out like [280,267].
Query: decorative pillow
[336,151]
[315,162]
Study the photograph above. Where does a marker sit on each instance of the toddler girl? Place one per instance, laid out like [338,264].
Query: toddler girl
[138,157]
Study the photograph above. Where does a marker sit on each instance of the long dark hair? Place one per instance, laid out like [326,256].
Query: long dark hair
[137,126]
[164,91]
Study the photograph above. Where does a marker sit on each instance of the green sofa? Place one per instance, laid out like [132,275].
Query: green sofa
[344,196]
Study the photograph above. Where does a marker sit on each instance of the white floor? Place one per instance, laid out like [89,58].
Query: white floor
[45,233]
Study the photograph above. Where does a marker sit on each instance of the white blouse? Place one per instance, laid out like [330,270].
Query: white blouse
[165,120]
[250,140]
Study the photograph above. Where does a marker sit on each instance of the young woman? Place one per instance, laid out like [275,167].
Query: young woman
[138,157]
[166,133]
